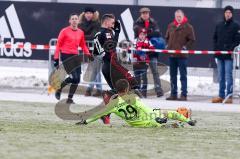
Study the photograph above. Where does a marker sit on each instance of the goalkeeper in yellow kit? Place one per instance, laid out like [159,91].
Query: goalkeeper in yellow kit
[134,112]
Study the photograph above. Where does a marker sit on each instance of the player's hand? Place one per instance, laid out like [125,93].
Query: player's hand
[117,27]
[56,63]
[82,122]
[90,57]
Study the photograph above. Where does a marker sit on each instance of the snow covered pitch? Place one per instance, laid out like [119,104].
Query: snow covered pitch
[32,130]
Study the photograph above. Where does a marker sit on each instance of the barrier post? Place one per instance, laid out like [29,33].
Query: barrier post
[236,61]
[52,43]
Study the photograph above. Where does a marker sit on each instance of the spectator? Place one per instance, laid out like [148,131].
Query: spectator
[89,23]
[141,61]
[148,23]
[226,37]
[179,36]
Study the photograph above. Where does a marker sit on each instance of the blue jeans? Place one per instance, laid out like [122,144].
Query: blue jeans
[225,69]
[154,68]
[95,76]
[175,63]
[141,75]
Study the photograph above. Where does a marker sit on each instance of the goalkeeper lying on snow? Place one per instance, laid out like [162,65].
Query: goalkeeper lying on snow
[134,112]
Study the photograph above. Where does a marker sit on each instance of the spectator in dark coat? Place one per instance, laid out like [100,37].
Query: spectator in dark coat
[179,36]
[89,23]
[148,23]
[226,38]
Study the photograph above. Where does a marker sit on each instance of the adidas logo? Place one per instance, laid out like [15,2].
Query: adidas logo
[127,27]
[12,29]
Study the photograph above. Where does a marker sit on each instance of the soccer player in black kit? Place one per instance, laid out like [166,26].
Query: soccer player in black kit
[105,42]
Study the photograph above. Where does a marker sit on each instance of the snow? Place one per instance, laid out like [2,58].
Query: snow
[29,84]
[204,105]
[27,77]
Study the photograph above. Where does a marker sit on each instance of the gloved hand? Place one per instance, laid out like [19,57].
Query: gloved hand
[56,63]
[82,122]
[91,58]
[117,27]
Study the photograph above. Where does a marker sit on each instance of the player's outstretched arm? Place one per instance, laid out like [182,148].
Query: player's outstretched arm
[107,109]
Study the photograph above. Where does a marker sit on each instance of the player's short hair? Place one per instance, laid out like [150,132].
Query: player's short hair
[107,16]
[122,85]
[72,14]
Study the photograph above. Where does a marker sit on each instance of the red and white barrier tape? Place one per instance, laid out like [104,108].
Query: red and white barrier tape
[47,47]
[186,51]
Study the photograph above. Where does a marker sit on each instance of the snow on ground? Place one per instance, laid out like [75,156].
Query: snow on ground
[22,77]
[29,84]
[29,77]
[204,105]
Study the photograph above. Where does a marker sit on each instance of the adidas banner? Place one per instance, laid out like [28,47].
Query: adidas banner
[29,23]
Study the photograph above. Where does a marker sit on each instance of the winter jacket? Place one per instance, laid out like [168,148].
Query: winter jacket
[180,37]
[152,28]
[90,28]
[226,37]
[141,57]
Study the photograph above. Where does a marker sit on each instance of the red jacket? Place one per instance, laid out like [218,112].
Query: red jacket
[142,56]
[69,40]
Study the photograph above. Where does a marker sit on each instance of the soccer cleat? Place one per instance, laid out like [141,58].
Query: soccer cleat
[192,122]
[106,98]
[161,120]
[106,119]
[185,112]
[70,101]
[58,94]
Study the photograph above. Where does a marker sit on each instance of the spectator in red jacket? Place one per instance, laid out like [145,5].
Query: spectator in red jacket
[69,39]
[141,61]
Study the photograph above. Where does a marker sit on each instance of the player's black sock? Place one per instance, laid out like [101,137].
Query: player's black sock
[72,90]
[64,83]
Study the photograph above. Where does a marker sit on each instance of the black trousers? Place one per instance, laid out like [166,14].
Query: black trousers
[106,71]
[74,76]
[113,71]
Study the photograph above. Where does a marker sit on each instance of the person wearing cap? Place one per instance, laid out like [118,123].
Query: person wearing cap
[153,31]
[226,38]
[179,36]
[90,24]
[141,61]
